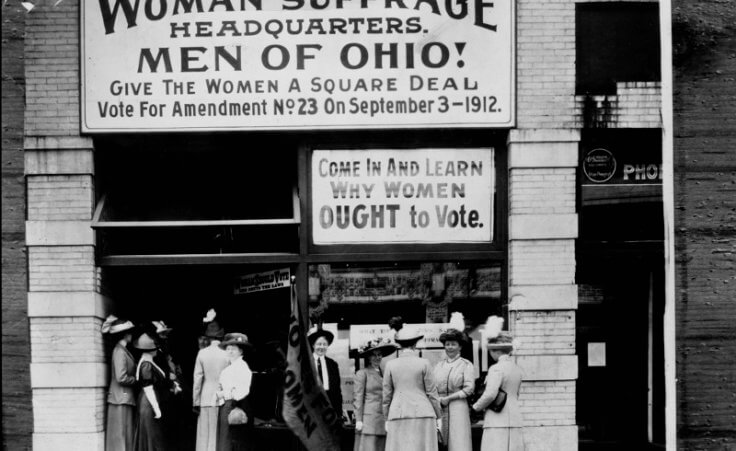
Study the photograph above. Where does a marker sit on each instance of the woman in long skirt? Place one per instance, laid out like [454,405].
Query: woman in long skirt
[155,386]
[120,428]
[502,430]
[370,425]
[410,402]
[455,380]
[235,381]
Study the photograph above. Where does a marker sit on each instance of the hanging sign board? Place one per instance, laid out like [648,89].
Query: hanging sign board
[250,283]
[360,334]
[402,196]
[204,65]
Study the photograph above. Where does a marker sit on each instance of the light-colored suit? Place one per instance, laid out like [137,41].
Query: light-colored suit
[367,400]
[207,368]
[410,404]
[408,388]
[502,430]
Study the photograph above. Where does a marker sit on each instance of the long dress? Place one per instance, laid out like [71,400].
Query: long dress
[235,382]
[120,430]
[150,435]
[456,376]
[367,400]
[502,431]
[410,404]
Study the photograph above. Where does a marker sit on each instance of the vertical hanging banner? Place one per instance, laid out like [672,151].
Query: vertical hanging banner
[193,65]
[402,196]
[307,410]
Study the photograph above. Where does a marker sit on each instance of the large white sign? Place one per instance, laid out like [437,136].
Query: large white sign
[360,334]
[193,65]
[402,196]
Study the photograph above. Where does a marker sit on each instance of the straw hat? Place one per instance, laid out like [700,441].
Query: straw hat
[407,336]
[144,343]
[383,345]
[161,327]
[237,339]
[316,332]
[114,325]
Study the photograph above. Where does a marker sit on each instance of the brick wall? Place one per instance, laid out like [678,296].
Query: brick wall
[68,368]
[17,412]
[635,105]
[545,63]
[52,69]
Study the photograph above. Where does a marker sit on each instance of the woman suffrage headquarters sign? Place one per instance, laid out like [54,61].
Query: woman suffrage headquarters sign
[402,196]
[194,65]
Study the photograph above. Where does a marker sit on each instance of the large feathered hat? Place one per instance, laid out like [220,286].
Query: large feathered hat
[212,328]
[495,337]
[114,325]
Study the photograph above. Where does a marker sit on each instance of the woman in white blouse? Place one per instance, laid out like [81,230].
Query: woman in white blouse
[235,381]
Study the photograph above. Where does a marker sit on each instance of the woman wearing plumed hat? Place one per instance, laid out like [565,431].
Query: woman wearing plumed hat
[502,431]
[370,428]
[328,372]
[120,428]
[455,380]
[150,435]
[410,403]
[235,381]
[208,365]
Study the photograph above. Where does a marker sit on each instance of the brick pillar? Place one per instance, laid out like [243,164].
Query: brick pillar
[542,290]
[65,308]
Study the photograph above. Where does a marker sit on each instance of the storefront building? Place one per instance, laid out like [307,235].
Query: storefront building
[406,158]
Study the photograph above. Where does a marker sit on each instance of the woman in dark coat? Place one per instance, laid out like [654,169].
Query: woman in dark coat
[154,390]
[328,372]
[120,428]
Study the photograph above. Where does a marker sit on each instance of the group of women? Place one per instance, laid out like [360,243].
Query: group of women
[410,406]
[404,405]
[139,407]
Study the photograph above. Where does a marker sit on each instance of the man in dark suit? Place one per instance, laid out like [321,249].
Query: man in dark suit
[328,372]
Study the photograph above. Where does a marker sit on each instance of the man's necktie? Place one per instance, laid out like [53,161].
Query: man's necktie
[319,371]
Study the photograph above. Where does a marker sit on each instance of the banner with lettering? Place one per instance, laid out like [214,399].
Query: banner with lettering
[307,410]
[203,65]
[402,196]
[269,280]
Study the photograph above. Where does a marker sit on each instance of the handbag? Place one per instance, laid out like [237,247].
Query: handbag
[237,416]
[497,404]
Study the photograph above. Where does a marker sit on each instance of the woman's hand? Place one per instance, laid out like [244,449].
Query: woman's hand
[445,400]
[157,414]
[358,426]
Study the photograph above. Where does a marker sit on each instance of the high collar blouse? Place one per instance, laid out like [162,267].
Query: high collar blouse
[235,380]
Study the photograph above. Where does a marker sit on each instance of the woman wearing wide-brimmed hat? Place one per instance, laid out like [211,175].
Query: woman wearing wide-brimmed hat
[208,365]
[502,431]
[150,435]
[410,403]
[120,427]
[235,381]
[455,380]
[328,372]
[370,424]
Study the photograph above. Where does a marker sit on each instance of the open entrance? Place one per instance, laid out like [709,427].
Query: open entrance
[180,296]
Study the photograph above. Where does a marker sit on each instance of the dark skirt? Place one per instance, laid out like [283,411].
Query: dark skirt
[150,434]
[234,438]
